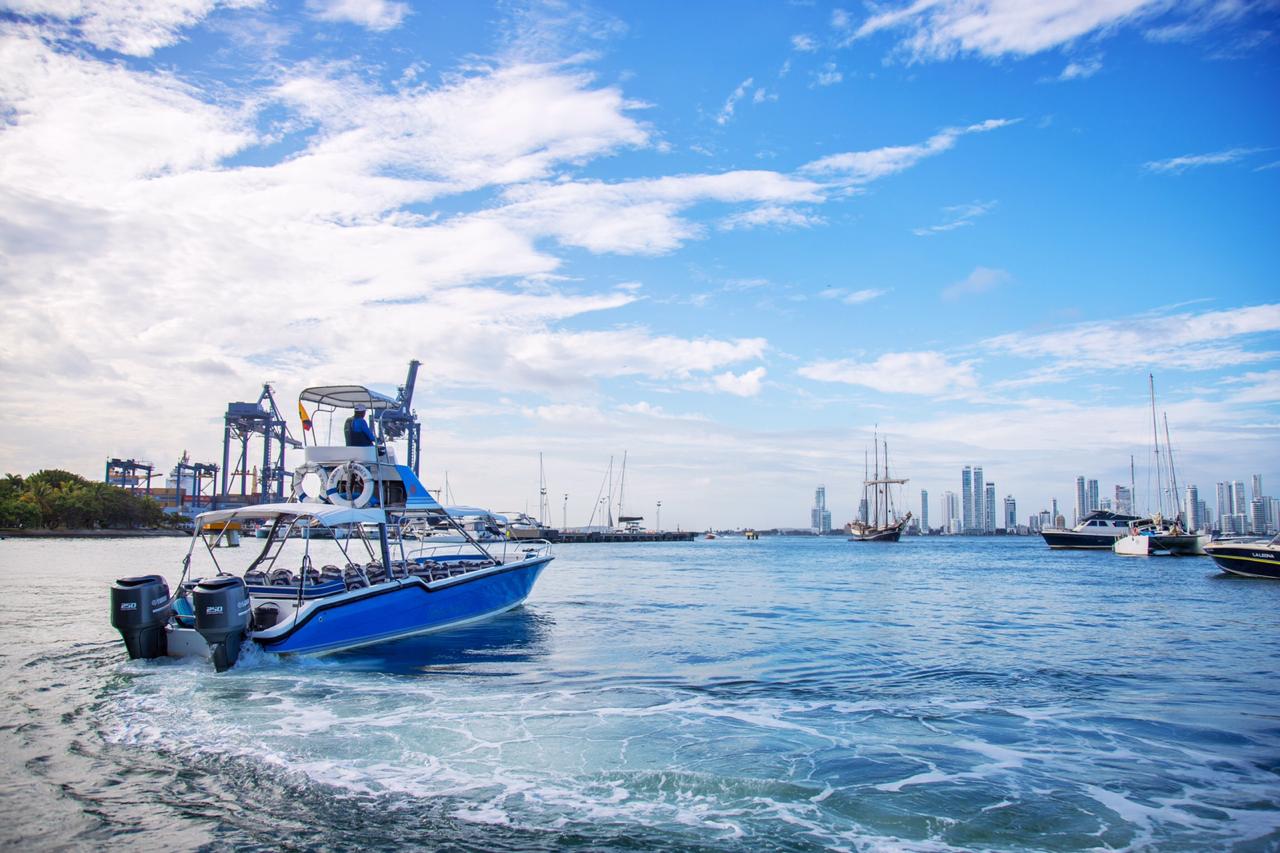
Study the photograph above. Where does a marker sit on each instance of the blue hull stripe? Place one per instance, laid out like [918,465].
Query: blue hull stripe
[402,608]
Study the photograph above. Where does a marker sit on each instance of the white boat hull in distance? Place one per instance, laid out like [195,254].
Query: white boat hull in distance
[1157,546]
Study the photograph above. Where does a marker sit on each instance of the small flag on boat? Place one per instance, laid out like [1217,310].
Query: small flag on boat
[306,419]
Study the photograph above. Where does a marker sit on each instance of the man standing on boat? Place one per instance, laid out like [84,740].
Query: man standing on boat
[357,431]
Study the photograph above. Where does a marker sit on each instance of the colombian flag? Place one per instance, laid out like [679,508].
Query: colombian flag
[306,419]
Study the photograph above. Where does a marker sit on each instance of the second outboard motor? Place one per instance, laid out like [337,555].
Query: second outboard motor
[139,611]
[222,615]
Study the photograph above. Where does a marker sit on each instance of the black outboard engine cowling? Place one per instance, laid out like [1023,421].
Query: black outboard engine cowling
[222,616]
[139,610]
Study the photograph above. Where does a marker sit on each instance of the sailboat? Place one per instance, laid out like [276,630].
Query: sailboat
[883,524]
[1159,535]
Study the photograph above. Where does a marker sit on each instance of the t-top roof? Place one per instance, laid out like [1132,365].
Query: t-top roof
[348,397]
[330,515]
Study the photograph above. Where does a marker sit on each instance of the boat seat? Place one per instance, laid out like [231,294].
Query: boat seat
[373,572]
[281,577]
[255,577]
[330,573]
[355,578]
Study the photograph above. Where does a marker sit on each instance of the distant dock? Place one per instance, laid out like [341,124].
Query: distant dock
[623,536]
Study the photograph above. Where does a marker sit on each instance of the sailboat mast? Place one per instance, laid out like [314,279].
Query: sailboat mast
[888,496]
[1173,474]
[543,509]
[622,485]
[1155,442]
[608,504]
[866,474]
[875,440]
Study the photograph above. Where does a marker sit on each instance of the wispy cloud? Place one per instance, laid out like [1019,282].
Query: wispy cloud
[828,75]
[981,280]
[135,28]
[1178,165]
[1184,340]
[957,216]
[772,216]
[804,43]
[377,15]
[928,373]
[864,166]
[746,384]
[726,112]
[854,297]
[1081,69]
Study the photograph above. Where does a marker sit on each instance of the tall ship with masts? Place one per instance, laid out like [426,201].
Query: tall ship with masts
[882,523]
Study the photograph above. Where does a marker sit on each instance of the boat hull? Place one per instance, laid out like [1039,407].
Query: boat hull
[891,535]
[1069,540]
[1246,561]
[402,608]
[1158,545]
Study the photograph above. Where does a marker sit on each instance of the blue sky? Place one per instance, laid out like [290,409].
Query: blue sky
[730,240]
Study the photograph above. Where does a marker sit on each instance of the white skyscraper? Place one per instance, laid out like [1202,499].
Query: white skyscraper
[820,516]
[950,512]
[924,511]
[1193,519]
[1091,494]
[1124,500]
[979,501]
[966,499]
[1010,514]
[989,509]
[1082,500]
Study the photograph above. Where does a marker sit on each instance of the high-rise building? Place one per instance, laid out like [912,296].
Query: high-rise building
[1124,500]
[1057,519]
[1224,504]
[820,516]
[1010,514]
[1202,512]
[924,510]
[1091,490]
[1258,516]
[1082,500]
[979,501]
[864,511]
[989,509]
[1194,520]
[1257,486]
[950,512]
[1239,501]
[966,499]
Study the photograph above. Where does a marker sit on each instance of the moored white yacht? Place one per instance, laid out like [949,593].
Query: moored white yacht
[1097,530]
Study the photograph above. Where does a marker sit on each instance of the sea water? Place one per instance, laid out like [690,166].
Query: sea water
[790,693]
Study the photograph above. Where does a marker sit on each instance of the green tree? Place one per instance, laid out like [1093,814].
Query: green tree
[15,512]
[11,486]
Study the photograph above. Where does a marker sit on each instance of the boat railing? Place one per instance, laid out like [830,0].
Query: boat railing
[503,551]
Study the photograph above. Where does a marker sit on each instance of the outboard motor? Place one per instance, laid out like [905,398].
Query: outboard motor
[139,611]
[222,615]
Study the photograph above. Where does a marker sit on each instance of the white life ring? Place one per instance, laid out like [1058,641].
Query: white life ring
[297,490]
[341,475]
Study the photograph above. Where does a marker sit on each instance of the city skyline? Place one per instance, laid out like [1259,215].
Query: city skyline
[735,252]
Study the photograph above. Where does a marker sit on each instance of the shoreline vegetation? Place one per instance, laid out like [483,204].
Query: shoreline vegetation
[59,504]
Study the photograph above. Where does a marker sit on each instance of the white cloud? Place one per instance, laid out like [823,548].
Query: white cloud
[131,27]
[957,216]
[928,373]
[726,112]
[804,43]
[828,75]
[746,384]
[1178,165]
[856,297]
[981,280]
[375,15]
[1081,70]
[941,29]
[865,166]
[1182,340]
[770,215]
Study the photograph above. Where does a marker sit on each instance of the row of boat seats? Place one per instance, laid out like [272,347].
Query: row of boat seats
[356,576]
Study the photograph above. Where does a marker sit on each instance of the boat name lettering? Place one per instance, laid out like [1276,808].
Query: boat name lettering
[1263,556]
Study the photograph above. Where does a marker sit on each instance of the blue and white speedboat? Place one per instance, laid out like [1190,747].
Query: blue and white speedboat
[365,584]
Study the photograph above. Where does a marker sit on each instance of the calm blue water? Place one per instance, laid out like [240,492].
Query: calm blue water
[728,695]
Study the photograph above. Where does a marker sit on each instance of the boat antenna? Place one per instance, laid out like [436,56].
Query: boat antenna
[1155,439]
[622,485]
[1173,474]
[1133,487]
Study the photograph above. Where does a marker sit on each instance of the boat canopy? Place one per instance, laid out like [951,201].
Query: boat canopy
[474,512]
[348,397]
[329,515]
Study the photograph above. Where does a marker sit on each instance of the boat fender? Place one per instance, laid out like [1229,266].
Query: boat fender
[298,489]
[342,476]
